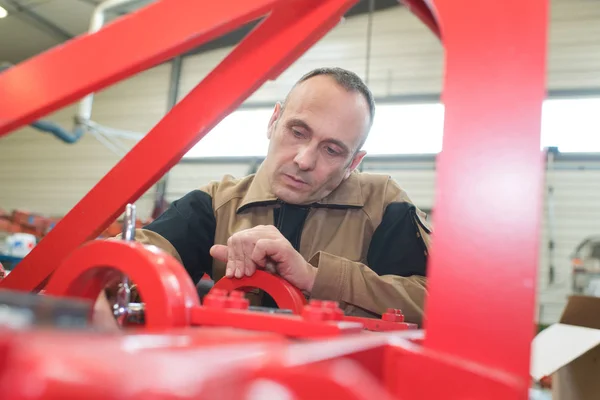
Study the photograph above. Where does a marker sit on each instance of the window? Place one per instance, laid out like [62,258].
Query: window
[572,125]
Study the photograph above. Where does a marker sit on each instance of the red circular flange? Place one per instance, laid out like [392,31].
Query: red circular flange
[167,290]
[286,295]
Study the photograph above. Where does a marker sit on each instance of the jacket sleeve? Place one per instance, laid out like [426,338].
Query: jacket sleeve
[398,251]
[186,231]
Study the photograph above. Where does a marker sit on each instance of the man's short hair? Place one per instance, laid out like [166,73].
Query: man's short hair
[348,80]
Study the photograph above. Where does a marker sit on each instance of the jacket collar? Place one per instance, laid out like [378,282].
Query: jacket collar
[347,195]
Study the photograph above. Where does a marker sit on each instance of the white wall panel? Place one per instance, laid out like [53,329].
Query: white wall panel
[576,205]
[574,51]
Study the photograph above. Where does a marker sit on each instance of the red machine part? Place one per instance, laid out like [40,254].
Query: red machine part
[171,299]
[289,297]
[163,283]
[284,294]
[173,367]
[484,260]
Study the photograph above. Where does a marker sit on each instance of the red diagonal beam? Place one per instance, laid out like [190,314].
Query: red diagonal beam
[484,263]
[129,45]
[270,48]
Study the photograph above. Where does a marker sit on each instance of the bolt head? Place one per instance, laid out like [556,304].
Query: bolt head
[215,301]
[315,303]
[311,313]
[330,304]
[390,317]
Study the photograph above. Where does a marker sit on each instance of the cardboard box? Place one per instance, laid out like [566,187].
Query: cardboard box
[569,351]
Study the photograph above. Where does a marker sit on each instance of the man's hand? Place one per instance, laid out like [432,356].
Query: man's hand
[259,247]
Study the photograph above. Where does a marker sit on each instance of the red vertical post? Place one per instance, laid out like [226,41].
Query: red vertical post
[489,182]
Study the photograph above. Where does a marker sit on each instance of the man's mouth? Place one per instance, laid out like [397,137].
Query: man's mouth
[294,180]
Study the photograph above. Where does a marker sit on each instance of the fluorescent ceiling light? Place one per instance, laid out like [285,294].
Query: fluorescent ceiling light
[3,12]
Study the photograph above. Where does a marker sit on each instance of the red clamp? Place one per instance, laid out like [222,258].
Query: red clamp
[165,287]
[286,295]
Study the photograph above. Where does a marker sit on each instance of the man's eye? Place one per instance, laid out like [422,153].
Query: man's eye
[331,151]
[297,133]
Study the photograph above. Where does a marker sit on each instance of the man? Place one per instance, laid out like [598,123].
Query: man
[333,232]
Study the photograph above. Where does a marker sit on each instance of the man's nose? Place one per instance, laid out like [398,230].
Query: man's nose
[306,158]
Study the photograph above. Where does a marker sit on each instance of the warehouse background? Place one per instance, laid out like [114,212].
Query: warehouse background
[393,51]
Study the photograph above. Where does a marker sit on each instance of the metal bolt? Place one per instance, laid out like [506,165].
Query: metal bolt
[312,313]
[121,307]
[129,223]
[237,300]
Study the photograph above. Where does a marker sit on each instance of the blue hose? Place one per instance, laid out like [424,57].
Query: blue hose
[56,130]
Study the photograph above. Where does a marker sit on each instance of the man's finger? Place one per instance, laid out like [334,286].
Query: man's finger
[267,251]
[219,252]
[249,265]
[237,252]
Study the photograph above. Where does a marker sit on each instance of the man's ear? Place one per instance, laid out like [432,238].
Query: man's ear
[355,162]
[273,121]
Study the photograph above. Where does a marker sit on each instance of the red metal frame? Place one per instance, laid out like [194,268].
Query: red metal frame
[291,28]
[482,272]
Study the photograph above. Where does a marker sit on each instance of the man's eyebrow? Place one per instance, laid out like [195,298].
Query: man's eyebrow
[302,124]
[299,122]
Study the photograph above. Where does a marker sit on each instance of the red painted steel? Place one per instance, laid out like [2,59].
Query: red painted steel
[337,379]
[483,267]
[286,295]
[158,366]
[293,326]
[165,287]
[380,325]
[290,30]
[442,375]
[35,366]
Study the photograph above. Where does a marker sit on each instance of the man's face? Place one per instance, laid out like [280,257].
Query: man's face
[314,140]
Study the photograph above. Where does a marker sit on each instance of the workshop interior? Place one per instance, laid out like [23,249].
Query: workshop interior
[487,114]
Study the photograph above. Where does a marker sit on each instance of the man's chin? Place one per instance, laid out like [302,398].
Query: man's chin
[291,196]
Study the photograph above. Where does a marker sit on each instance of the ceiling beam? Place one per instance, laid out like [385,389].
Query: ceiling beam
[32,18]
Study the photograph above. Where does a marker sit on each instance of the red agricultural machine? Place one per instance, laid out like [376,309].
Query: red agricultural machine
[482,275]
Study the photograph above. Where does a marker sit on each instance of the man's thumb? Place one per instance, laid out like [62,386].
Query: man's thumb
[219,252]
